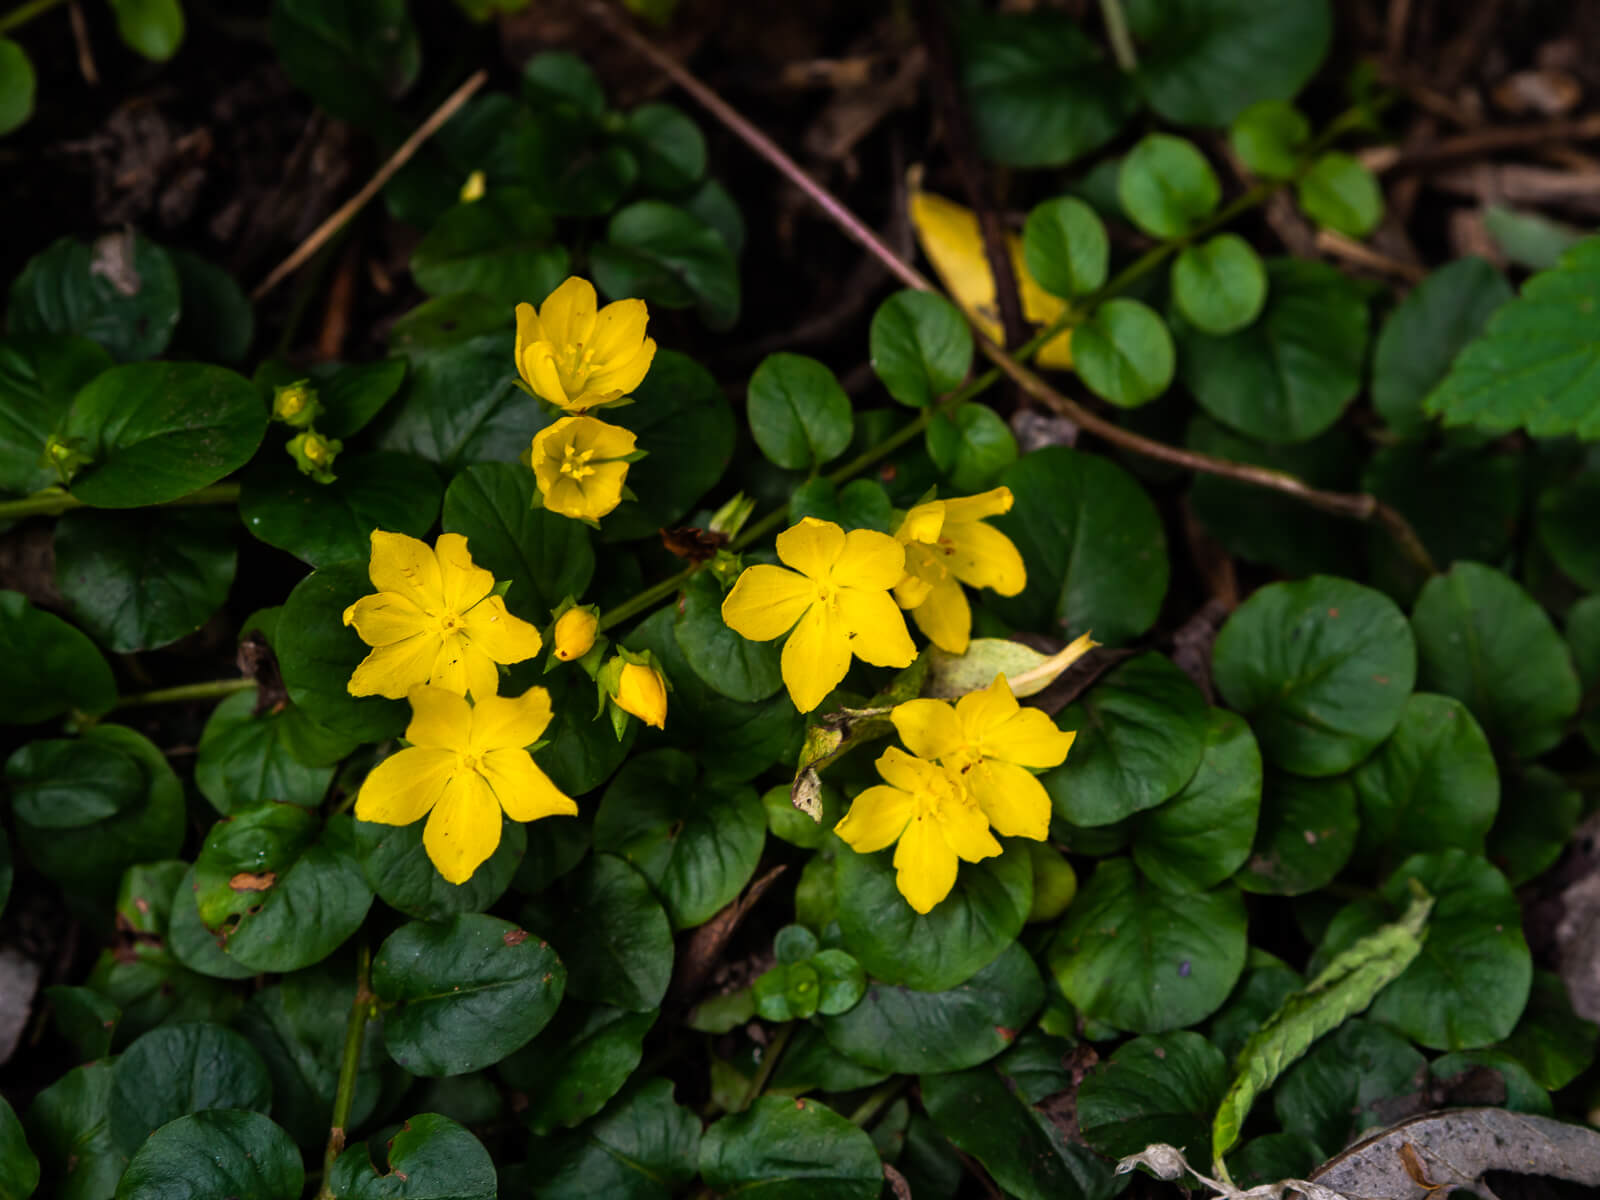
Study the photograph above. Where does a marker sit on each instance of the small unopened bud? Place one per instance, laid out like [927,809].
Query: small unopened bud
[314,454]
[64,458]
[473,188]
[574,633]
[642,691]
[296,404]
[730,518]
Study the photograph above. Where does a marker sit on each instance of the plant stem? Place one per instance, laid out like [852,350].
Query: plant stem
[54,503]
[769,1063]
[877,1100]
[23,13]
[349,1069]
[1117,34]
[648,598]
[209,690]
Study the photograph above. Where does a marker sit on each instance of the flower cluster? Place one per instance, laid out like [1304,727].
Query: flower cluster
[579,358]
[297,406]
[969,773]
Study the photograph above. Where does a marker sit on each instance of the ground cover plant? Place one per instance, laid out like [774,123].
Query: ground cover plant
[968,600]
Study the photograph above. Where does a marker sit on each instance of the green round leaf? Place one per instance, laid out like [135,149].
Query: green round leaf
[611,933]
[245,758]
[1040,92]
[18,84]
[157,431]
[217,322]
[327,523]
[1065,247]
[353,60]
[1123,353]
[19,1167]
[317,655]
[1485,641]
[1306,835]
[581,749]
[811,1064]
[67,783]
[1469,985]
[39,375]
[1220,285]
[1201,62]
[1288,376]
[1198,838]
[970,446]
[1154,1089]
[181,1069]
[859,504]
[460,403]
[467,992]
[643,1148]
[1141,735]
[1093,543]
[153,28]
[1166,187]
[1321,667]
[1340,194]
[921,347]
[546,557]
[68,1123]
[191,943]
[696,839]
[430,1156]
[241,1155]
[669,146]
[281,889]
[138,581]
[1425,332]
[1551,1041]
[1268,137]
[790,1150]
[48,666]
[668,256]
[713,205]
[398,869]
[728,664]
[1432,785]
[1535,823]
[935,951]
[1144,960]
[799,415]
[1565,528]
[577,1063]
[121,291]
[902,1030]
[1334,1093]
[501,246]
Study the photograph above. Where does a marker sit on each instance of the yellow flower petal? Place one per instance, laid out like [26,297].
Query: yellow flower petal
[449,670]
[524,791]
[625,374]
[642,692]
[812,547]
[984,557]
[925,865]
[463,582]
[876,627]
[929,728]
[909,773]
[945,617]
[568,313]
[384,618]
[1014,802]
[403,787]
[912,590]
[966,831]
[766,601]
[538,364]
[922,523]
[482,676]
[1001,728]
[975,508]
[440,719]
[391,670]
[529,331]
[878,816]
[503,637]
[869,560]
[509,722]
[464,827]
[619,329]
[405,565]
[815,658]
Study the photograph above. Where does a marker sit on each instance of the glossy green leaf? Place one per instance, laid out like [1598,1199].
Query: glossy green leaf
[1550,1040]
[69,1124]
[1340,194]
[120,290]
[85,1018]
[241,1155]
[728,664]
[1268,137]
[643,1148]
[1123,353]
[668,256]
[1219,285]
[460,404]
[181,1069]
[1339,1089]
[353,59]
[970,446]
[467,992]
[431,1155]
[1141,735]
[1530,239]
[19,1166]
[190,942]
[934,951]
[1065,247]
[1565,528]
[790,1150]
[1321,667]
[39,375]
[581,749]
[245,757]
[1166,187]
[1538,812]
[217,322]
[49,666]
[153,28]
[67,783]
[501,246]
[921,347]
[397,867]
[1145,960]
[1306,835]
[577,1063]
[18,86]
[1153,1089]
[799,415]
[669,146]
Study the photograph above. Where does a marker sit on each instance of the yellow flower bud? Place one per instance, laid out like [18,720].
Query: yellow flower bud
[473,188]
[574,633]
[642,692]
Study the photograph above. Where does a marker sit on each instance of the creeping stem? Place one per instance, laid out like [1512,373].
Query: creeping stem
[361,1009]
[53,503]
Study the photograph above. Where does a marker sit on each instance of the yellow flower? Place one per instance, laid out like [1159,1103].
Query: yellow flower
[926,808]
[296,404]
[643,692]
[990,740]
[577,358]
[836,600]
[574,632]
[947,544]
[578,463]
[472,190]
[466,763]
[433,620]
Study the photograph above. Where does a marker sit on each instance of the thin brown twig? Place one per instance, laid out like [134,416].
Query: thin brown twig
[1358,506]
[1489,141]
[350,207]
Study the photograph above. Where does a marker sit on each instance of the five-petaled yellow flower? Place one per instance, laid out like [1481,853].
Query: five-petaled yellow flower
[990,740]
[580,464]
[433,620]
[836,599]
[947,544]
[577,358]
[465,764]
[928,810]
